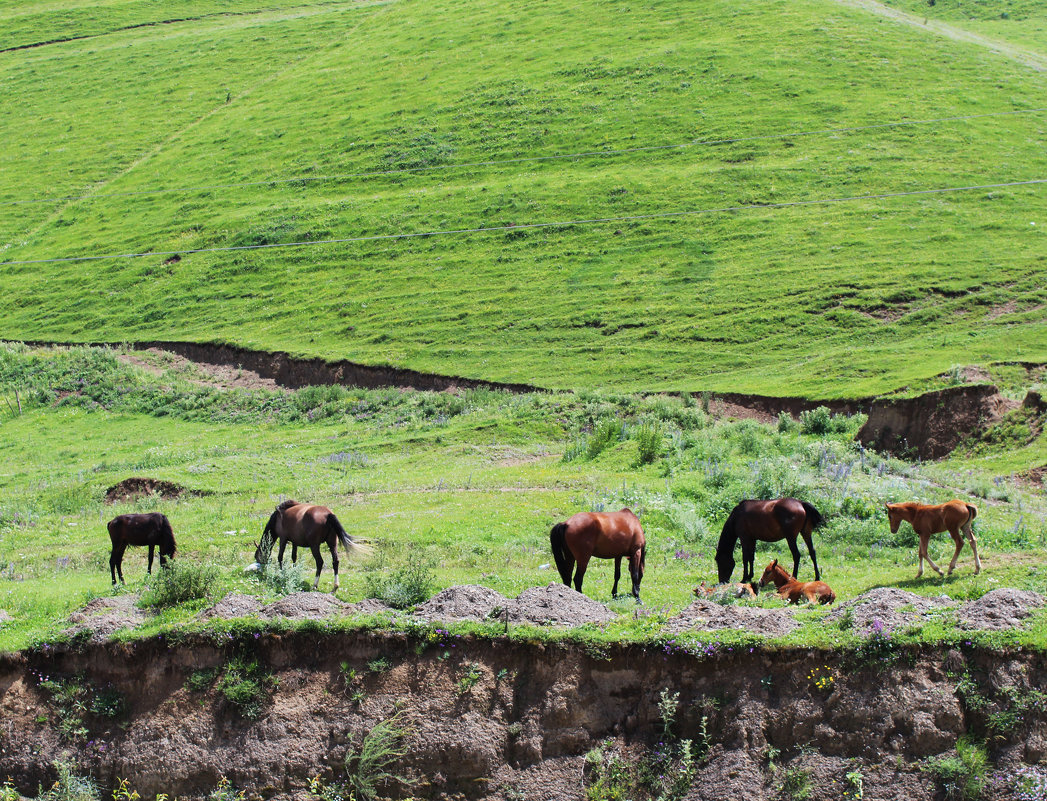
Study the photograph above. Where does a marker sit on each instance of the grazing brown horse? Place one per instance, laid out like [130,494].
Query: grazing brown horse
[767,521]
[309,526]
[145,529]
[605,535]
[791,590]
[954,517]
[730,590]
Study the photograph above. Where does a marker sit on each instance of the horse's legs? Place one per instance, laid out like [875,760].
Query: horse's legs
[924,539]
[116,557]
[149,569]
[294,553]
[814,560]
[618,575]
[956,538]
[748,560]
[580,573]
[334,562]
[969,531]
[634,573]
[795,551]
[280,556]
[319,564]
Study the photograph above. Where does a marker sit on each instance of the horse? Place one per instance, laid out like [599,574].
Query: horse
[605,535]
[954,517]
[767,521]
[309,526]
[791,590]
[144,529]
[727,590]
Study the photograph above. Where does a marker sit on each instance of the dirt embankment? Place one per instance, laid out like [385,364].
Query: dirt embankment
[928,426]
[500,719]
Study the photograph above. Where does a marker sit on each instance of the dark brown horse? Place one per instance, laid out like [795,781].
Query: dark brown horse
[605,535]
[791,590]
[767,521]
[954,517]
[309,526]
[147,529]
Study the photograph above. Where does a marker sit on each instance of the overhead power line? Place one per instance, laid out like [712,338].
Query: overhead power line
[532,226]
[520,159]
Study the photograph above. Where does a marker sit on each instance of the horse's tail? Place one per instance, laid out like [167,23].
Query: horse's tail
[973,511]
[814,517]
[558,541]
[167,536]
[350,545]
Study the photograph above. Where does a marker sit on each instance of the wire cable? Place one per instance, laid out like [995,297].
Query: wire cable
[532,226]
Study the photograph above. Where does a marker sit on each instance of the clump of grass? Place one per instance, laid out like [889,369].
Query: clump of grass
[383,746]
[179,582]
[283,580]
[962,777]
[69,786]
[822,421]
[403,588]
[246,687]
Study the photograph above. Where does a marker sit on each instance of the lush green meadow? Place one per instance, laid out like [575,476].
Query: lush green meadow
[253,124]
[468,484]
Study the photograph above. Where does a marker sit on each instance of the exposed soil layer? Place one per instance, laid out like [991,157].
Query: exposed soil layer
[132,488]
[522,724]
[928,426]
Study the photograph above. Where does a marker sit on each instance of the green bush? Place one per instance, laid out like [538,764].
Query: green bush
[962,777]
[179,582]
[283,580]
[69,786]
[405,587]
[648,443]
[246,687]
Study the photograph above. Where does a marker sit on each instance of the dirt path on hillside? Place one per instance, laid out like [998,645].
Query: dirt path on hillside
[1024,56]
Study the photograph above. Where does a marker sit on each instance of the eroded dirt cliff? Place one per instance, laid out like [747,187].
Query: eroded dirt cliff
[504,719]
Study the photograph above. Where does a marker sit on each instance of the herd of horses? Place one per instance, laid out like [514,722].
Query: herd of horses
[604,535]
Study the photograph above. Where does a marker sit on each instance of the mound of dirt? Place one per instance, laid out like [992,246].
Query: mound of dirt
[1004,608]
[231,606]
[368,606]
[706,615]
[467,602]
[4,617]
[305,605]
[556,605]
[103,616]
[131,488]
[885,609]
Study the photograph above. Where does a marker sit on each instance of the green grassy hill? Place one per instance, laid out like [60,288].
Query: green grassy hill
[206,126]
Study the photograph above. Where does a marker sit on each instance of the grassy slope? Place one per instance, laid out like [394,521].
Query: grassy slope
[787,301]
[471,484]
[1020,22]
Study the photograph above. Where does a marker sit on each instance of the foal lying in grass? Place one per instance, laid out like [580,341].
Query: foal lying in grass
[791,590]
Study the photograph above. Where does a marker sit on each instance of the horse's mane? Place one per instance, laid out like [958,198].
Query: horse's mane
[728,537]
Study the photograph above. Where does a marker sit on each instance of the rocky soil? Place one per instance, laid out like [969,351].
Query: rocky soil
[504,718]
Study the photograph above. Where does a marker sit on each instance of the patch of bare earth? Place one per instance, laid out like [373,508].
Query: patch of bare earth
[305,606]
[131,489]
[232,606]
[706,615]
[886,609]
[223,376]
[467,602]
[1005,608]
[4,617]
[102,617]
[556,605]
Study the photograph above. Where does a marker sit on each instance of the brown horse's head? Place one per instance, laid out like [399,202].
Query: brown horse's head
[768,574]
[894,516]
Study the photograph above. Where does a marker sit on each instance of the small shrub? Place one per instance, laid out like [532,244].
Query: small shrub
[8,792]
[69,786]
[821,421]
[796,784]
[180,582]
[283,580]
[383,746]
[226,792]
[648,443]
[469,679]
[962,777]
[786,423]
[201,680]
[405,587]
[246,687]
